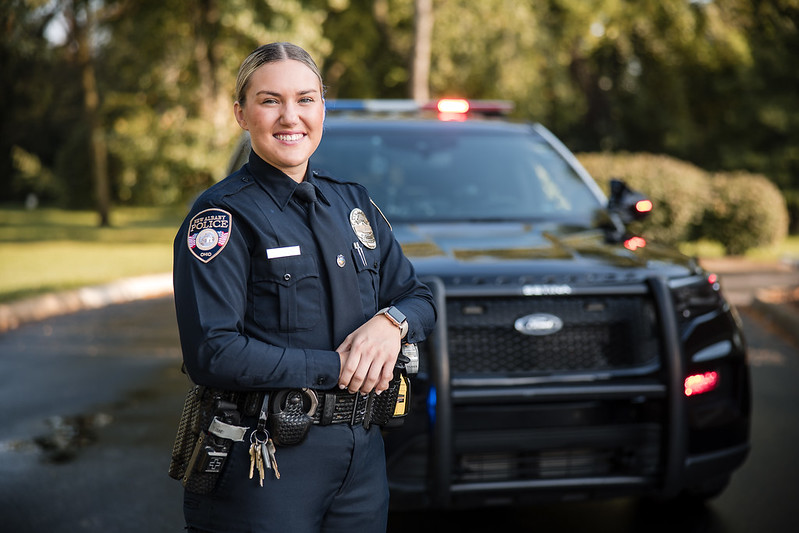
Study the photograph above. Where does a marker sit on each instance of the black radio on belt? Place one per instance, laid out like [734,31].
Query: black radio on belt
[212,446]
[215,448]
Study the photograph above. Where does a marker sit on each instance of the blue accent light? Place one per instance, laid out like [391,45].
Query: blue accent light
[345,105]
[431,406]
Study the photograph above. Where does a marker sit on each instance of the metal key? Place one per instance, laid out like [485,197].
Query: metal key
[252,459]
[260,464]
[266,456]
[257,457]
[270,449]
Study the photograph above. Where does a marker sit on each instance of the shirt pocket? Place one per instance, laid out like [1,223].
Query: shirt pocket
[287,294]
[367,265]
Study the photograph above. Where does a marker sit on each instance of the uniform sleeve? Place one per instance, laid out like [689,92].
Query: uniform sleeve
[211,301]
[399,285]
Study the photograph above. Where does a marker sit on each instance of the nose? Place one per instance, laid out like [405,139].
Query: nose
[288,113]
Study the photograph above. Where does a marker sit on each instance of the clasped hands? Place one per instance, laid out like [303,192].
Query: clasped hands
[368,356]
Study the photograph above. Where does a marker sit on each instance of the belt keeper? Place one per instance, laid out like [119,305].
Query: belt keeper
[367,416]
[329,409]
[354,408]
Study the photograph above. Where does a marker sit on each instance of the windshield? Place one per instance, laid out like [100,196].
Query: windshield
[431,174]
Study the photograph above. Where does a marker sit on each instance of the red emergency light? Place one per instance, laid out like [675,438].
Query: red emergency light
[460,108]
[453,105]
[634,243]
[696,384]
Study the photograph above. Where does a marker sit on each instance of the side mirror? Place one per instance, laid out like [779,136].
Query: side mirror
[630,205]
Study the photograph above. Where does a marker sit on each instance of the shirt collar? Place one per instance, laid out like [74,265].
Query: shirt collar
[277,184]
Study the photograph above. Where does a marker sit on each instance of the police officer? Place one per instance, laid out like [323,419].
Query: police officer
[286,278]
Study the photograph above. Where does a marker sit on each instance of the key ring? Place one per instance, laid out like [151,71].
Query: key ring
[254,436]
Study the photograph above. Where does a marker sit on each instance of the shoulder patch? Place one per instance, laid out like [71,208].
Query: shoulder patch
[209,232]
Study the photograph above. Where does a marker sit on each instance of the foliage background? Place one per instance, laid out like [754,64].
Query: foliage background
[710,82]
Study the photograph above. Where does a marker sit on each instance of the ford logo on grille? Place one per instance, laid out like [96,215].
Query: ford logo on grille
[538,324]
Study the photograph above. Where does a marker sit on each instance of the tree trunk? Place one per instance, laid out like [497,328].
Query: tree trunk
[422,49]
[91,103]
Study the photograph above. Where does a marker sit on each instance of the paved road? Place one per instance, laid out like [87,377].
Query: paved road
[90,402]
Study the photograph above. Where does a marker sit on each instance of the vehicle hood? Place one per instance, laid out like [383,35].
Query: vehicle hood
[462,248]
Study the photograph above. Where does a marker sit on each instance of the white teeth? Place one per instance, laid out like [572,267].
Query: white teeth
[289,138]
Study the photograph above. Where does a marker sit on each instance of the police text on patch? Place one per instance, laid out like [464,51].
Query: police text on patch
[208,233]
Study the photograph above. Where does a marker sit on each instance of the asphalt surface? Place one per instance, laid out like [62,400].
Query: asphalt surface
[104,469]
[745,283]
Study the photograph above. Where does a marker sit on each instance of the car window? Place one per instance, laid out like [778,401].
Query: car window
[453,175]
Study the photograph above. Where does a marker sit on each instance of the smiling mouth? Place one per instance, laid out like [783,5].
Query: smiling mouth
[290,138]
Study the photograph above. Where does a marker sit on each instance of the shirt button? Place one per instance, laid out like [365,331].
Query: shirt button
[321,380]
[287,277]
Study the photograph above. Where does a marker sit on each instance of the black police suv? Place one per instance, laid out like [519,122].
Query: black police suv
[571,359]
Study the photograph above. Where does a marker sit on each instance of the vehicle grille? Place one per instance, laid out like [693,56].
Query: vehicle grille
[639,457]
[607,333]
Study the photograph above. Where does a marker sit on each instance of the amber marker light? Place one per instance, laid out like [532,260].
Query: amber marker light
[643,206]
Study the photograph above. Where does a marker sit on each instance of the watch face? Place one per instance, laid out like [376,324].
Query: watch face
[396,314]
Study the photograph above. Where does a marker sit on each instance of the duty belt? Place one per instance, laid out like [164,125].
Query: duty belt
[342,407]
[330,407]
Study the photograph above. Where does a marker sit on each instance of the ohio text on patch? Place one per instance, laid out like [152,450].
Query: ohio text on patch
[209,232]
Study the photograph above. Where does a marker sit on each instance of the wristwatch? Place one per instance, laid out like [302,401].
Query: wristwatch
[397,318]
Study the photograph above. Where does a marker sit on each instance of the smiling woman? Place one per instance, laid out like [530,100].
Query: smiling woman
[281,104]
[293,299]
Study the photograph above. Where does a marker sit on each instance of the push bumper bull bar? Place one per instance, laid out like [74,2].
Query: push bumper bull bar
[441,452]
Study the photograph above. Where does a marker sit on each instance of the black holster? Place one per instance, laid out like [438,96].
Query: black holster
[207,429]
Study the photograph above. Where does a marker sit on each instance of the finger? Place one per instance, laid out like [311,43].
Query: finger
[358,379]
[373,378]
[348,369]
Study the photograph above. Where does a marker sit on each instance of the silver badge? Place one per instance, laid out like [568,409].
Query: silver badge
[340,261]
[362,228]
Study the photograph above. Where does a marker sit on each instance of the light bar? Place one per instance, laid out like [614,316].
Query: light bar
[373,106]
[451,105]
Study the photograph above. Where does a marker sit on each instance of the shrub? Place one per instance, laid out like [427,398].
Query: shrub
[678,190]
[746,211]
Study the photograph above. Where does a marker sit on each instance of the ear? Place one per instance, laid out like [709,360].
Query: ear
[238,112]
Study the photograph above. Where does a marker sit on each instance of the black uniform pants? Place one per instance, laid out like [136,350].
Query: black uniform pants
[334,481]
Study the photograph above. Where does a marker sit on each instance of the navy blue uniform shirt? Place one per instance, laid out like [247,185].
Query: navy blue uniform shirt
[253,307]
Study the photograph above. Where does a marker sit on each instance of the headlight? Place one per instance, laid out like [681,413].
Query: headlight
[697,295]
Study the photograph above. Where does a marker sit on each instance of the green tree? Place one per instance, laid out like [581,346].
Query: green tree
[171,71]
[31,94]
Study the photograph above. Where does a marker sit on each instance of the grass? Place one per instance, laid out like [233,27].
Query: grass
[47,250]
[788,249]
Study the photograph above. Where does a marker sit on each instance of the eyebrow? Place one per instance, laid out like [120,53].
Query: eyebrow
[275,93]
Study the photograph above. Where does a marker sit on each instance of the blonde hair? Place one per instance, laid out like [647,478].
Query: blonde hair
[270,53]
